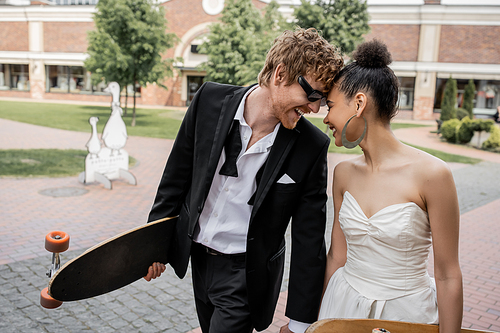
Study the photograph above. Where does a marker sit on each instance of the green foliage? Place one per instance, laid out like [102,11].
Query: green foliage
[462,113]
[465,133]
[273,20]
[448,110]
[237,46]
[449,130]
[128,43]
[493,142]
[454,130]
[482,125]
[341,22]
[470,90]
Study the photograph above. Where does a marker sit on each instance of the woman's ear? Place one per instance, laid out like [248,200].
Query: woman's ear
[361,102]
[279,75]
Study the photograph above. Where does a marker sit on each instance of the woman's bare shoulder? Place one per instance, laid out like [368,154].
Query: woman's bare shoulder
[347,166]
[426,166]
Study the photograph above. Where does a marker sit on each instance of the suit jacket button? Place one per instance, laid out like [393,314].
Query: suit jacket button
[200,209]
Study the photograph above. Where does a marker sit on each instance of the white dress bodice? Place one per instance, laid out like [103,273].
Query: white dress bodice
[387,254]
[385,275]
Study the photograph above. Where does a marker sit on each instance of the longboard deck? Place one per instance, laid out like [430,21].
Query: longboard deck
[367,325]
[114,263]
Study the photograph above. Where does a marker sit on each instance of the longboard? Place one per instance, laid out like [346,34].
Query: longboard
[375,326]
[114,263]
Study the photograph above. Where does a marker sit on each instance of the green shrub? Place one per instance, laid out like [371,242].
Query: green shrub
[482,125]
[493,142]
[448,110]
[465,133]
[470,90]
[462,113]
[449,130]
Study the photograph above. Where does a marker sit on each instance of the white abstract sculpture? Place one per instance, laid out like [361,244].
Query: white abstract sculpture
[104,164]
[114,89]
[94,144]
[114,134]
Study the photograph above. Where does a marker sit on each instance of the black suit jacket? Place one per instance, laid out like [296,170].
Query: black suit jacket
[300,153]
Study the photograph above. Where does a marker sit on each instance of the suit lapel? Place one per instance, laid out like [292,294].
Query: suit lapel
[226,116]
[282,144]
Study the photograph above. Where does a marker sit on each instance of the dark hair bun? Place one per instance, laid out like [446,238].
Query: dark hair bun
[372,54]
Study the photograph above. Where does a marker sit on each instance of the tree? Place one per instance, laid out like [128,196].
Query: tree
[106,60]
[237,45]
[128,43]
[448,110]
[341,22]
[470,90]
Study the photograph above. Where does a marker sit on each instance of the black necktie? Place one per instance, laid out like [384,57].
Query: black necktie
[232,146]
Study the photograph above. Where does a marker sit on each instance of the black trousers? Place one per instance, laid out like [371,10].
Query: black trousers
[220,291]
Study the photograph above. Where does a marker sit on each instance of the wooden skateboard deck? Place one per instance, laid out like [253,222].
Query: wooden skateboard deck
[369,325]
[114,263]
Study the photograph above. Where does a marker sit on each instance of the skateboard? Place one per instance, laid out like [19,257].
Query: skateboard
[374,326]
[107,266]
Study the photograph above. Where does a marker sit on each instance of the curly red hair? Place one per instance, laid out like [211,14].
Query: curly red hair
[302,52]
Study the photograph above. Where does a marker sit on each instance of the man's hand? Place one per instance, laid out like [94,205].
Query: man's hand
[155,271]
[285,329]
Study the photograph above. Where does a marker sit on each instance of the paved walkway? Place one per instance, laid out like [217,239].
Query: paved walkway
[166,304]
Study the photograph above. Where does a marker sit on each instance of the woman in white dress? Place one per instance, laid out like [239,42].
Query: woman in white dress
[388,202]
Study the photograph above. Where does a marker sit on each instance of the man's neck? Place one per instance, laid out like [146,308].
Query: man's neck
[259,115]
[258,112]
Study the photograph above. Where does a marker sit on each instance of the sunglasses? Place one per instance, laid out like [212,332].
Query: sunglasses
[313,95]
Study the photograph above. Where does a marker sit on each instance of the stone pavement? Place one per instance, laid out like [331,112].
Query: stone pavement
[166,304]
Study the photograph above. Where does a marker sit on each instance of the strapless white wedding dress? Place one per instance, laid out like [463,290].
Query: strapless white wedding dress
[385,275]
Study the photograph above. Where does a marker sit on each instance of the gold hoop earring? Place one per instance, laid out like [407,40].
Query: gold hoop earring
[351,144]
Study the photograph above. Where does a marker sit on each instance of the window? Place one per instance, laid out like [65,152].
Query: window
[76,80]
[57,79]
[486,97]
[67,79]
[14,77]
[99,88]
[4,74]
[194,48]
[76,2]
[194,83]
[406,91]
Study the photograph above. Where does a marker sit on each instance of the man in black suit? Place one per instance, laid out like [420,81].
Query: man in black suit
[244,163]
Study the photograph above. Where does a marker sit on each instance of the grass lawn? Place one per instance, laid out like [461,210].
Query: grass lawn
[44,162]
[156,123]
[448,157]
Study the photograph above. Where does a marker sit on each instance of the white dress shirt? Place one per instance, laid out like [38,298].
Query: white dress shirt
[223,223]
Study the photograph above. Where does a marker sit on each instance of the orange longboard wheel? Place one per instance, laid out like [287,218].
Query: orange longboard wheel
[56,241]
[48,301]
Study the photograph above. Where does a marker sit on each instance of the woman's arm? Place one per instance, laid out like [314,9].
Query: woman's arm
[440,196]
[337,254]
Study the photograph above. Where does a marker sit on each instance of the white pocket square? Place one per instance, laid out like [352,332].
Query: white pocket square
[285,179]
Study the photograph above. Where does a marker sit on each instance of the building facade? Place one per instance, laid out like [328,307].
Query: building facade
[43,47]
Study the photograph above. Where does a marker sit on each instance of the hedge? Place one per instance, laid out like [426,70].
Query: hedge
[449,130]
[493,142]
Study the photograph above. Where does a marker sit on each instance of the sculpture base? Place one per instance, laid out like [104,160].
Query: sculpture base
[105,166]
